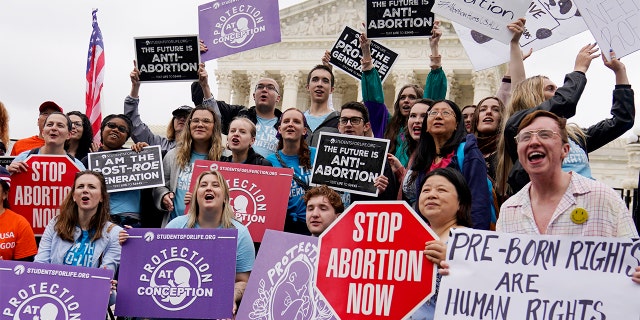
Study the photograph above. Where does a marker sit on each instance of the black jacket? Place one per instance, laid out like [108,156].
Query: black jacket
[228,112]
[252,158]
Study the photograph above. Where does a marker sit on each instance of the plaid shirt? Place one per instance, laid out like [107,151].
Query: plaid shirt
[608,214]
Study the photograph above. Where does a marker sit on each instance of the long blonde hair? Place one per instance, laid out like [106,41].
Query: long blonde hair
[183,154]
[194,209]
[4,125]
[525,95]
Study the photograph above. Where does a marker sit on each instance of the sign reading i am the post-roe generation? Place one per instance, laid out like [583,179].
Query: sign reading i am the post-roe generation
[346,55]
[168,58]
[349,163]
[178,273]
[399,18]
[42,291]
[506,276]
[129,170]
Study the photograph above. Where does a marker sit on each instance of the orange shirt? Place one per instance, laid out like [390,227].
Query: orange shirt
[16,237]
[25,144]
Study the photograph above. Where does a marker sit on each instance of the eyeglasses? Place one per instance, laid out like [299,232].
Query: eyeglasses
[77,124]
[112,125]
[354,120]
[197,121]
[543,134]
[269,87]
[444,114]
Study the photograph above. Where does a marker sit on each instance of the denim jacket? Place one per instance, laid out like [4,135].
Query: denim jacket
[53,249]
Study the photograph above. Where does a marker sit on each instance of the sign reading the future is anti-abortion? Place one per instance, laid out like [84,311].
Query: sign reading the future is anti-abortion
[170,58]
[50,291]
[282,284]
[229,27]
[346,55]
[487,17]
[349,163]
[511,276]
[178,273]
[399,18]
[258,195]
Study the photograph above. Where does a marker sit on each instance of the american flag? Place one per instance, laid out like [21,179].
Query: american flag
[95,77]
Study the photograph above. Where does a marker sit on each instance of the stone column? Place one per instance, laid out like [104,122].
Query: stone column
[633,154]
[359,88]
[401,78]
[289,92]
[224,80]
[454,89]
[483,83]
[240,90]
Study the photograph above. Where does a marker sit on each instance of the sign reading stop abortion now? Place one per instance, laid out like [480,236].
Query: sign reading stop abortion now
[349,163]
[177,273]
[282,283]
[371,263]
[346,55]
[129,170]
[38,192]
[399,18]
[50,291]
[511,276]
[168,58]
[258,195]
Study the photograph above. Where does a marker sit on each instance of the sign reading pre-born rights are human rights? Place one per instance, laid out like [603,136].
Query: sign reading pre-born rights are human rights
[349,163]
[168,58]
[399,18]
[229,27]
[129,170]
[50,291]
[178,273]
[346,55]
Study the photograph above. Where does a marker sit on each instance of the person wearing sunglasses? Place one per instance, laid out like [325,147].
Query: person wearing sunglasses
[264,114]
[140,132]
[125,206]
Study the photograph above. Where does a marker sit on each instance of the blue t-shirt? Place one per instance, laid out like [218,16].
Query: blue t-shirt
[296,208]
[577,161]
[315,121]
[245,254]
[81,253]
[184,180]
[266,141]
[125,202]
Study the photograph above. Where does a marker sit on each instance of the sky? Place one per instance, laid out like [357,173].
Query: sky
[44,51]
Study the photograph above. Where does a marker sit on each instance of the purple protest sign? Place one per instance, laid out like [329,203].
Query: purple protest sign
[51,291]
[282,284]
[177,273]
[229,27]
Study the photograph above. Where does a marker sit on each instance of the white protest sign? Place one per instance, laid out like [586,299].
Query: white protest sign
[511,276]
[614,24]
[487,17]
[547,24]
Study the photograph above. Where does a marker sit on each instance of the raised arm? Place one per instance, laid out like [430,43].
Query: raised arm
[224,111]
[435,87]
[372,93]
[516,63]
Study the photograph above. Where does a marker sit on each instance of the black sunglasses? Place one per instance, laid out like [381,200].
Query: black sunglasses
[122,129]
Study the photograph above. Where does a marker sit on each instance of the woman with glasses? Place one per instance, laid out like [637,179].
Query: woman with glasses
[201,140]
[540,93]
[55,133]
[294,152]
[443,144]
[81,135]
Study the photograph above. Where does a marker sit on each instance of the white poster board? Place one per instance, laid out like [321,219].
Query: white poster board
[512,276]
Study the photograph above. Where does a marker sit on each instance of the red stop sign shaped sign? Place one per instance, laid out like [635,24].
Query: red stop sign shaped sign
[371,263]
[38,192]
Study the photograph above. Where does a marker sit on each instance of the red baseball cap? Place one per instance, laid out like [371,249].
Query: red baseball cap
[50,105]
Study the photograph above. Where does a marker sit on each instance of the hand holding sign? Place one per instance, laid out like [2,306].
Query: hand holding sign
[585,56]
[617,66]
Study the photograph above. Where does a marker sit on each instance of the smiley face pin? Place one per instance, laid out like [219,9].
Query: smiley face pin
[579,215]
